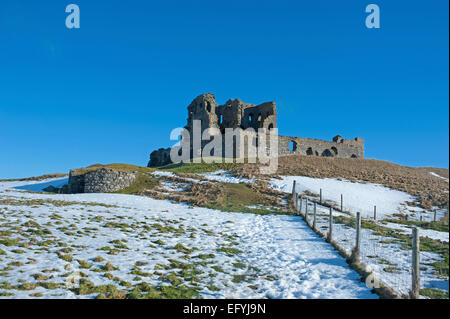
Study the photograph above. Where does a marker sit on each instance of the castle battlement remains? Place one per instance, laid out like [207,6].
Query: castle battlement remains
[235,114]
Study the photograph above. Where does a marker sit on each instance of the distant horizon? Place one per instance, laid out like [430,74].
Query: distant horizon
[112,90]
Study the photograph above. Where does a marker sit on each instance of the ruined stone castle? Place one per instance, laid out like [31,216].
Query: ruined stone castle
[235,114]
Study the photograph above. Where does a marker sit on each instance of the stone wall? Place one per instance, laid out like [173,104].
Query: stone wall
[339,147]
[76,183]
[100,181]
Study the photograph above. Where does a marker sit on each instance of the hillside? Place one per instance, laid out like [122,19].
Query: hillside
[431,190]
[224,231]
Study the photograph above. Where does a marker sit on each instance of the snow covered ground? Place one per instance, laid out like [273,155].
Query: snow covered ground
[384,256]
[439,176]
[235,255]
[225,177]
[358,197]
[430,233]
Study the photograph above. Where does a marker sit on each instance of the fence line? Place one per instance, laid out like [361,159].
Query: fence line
[355,256]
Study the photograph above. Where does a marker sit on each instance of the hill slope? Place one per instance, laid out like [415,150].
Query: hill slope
[430,189]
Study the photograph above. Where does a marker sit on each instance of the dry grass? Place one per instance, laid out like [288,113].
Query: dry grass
[430,190]
[222,196]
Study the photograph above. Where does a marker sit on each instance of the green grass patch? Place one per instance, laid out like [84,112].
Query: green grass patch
[434,293]
[41,202]
[182,249]
[9,242]
[230,251]
[198,168]
[146,291]
[438,225]
[142,182]
[238,198]
[239,265]
[126,168]
[84,264]
[238,278]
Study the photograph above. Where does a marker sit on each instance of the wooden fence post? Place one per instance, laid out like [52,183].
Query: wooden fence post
[375,212]
[356,250]
[434,218]
[293,188]
[342,203]
[314,219]
[306,210]
[320,199]
[415,288]
[296,201]
[330,227]
[301,203]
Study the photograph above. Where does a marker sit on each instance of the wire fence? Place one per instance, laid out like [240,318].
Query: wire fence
[385,266]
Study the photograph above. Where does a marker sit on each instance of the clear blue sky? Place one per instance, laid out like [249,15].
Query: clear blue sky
[113,90]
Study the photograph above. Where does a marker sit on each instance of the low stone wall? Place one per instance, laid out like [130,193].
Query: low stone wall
[100,181]
[339,147]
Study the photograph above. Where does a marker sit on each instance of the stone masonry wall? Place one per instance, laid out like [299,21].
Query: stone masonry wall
[100,181]
[339,147]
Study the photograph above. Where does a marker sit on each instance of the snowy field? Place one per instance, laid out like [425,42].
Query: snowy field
[225,177]
[358,197]
[439,176]
[49,241]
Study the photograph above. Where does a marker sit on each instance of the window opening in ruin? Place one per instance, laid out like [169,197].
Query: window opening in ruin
[309,151]
[334,149]
[292,146]
[327,153]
